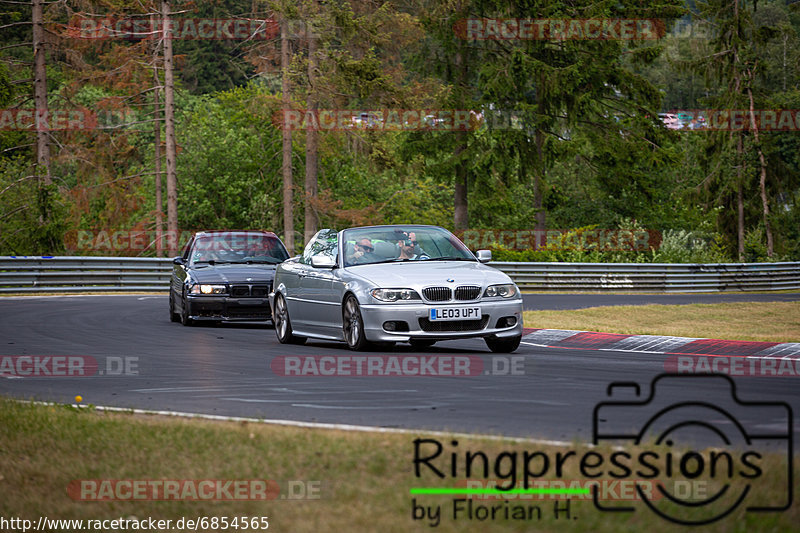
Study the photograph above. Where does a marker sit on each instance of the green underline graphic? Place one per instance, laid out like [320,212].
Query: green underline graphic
[436,490]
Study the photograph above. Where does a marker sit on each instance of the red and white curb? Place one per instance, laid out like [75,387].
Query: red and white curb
[686,354]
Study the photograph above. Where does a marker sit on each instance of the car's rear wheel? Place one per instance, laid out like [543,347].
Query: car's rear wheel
[353,324]
[503,345]
[421,343]
[283,326]
[173,316]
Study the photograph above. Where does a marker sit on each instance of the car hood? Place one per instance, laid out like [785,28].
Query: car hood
[234,274]
[428,273]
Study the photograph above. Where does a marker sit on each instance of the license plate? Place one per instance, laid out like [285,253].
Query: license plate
[440,314]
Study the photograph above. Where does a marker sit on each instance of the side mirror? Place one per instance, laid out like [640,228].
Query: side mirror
[484,256]
[178,261]
[322,261]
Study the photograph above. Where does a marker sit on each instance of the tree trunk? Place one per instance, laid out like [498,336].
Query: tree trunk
[460,199]
[312,144]
[538,183]
[40,96]
[157,145]
[762,181]
[740,200]
[288,217]
[169,132]
[460,206]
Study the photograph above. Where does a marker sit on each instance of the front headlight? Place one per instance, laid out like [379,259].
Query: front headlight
[208,289]
[507,290]
[394,295]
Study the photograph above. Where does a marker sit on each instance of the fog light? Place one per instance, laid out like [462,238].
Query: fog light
[506,322]
[395,325]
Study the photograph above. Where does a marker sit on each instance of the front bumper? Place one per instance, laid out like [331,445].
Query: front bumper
[227,308]
[494,313]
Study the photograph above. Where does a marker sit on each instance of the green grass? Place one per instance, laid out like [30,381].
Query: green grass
[364,477]
[750,321]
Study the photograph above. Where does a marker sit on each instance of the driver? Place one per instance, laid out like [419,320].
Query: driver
[364,252]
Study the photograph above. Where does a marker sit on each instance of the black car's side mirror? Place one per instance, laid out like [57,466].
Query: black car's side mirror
[178,261]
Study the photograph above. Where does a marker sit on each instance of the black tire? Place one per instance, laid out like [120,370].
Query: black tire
[353,325]
[173,316]
[283,326]
[185,320]
[503,345]
[420,344]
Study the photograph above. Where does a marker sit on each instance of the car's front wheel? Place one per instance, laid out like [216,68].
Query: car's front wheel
[185,319]
[503,345]
[283,326]
[173,316]
[353,324]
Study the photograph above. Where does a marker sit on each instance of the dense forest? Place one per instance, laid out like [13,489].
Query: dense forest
[148,136]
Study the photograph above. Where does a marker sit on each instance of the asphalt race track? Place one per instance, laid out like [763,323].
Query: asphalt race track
[226,370]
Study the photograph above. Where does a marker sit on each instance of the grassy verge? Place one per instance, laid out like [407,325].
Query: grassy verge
[364,478]
[751,321]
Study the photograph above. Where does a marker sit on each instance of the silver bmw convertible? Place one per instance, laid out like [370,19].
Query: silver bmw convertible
[387,284]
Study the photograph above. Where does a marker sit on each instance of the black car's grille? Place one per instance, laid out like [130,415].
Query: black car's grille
[453,325]
[467,292]
[247,291]
[259,291]
[437,294]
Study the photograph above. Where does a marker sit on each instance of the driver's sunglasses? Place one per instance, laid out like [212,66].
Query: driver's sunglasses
[367,248]
[410,243]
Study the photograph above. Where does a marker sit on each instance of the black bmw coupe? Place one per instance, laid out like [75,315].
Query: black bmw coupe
[225,276]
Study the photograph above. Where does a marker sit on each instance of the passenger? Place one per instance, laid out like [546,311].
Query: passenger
[409,248]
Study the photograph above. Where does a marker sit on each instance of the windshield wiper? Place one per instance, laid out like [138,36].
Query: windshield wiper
[449,258]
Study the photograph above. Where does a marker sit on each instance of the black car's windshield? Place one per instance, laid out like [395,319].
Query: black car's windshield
[237,248]
[385,244]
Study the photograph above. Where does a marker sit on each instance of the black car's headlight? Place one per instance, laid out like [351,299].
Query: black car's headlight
[394,295]
[208,289]
[506,290]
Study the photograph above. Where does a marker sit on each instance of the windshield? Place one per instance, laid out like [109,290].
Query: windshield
[384,244]
[220,248]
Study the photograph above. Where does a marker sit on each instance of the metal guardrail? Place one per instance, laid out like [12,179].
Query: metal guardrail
[655,277]
[135,274]
[84,274]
